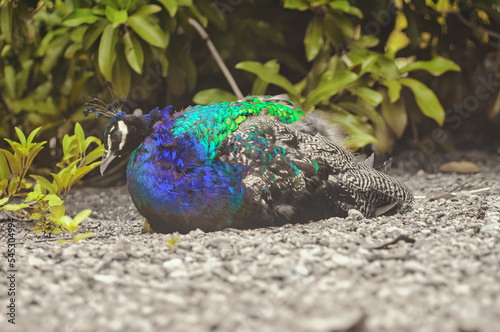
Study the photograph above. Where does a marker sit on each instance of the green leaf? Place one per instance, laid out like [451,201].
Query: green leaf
[259,86]
[6,22]
[94,155]
[360,133]
[82,236]
[148,31]
[116,16]
[437,66]
[170,6]
[395,116]
[80,16]
[4,168]
[32,135]
[267,75]
[16,147]
[372,97]
[46,184]
[363,110]
[82,171]
[133,52]
[67,222]
[10,81]
[58,184]
[53,200]
[122,77]
[46,42]
[14,163]
[92,33]
[296,4]
[397,39]
[35,149]
[58,211]
[54,52]
[20,135]
[198,15]
[344,6]
[22,77]
[393,89]
[426,100]
[330,87]
[12,189]
[147,10]
[80,136]
[107,54]
[386,68]
[208,96]
[313,39]
[14,207]
[81,216]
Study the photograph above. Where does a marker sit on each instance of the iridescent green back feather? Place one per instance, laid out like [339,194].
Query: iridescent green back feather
[212,123]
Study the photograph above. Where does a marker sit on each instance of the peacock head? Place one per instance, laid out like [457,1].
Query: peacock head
[124,133]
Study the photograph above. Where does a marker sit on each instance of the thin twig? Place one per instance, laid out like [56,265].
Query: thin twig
[480,28]
[217,57]
[461,18]
[455,193]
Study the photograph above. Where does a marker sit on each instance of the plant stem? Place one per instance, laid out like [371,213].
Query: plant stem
[217,57]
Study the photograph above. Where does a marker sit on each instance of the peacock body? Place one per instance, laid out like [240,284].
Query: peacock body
[251,163]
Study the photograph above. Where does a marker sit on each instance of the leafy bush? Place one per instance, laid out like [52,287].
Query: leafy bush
[44,201]
[54,55]
[360,87]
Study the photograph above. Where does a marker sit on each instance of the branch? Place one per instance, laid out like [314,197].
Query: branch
[461,18]
[217,57]
[480,28]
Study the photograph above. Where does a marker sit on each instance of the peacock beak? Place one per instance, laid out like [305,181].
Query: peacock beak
[107,158]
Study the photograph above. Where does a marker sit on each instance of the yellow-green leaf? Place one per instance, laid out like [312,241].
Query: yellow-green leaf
[14,207]
[313,39]
[82,236]
[372,97]
[395,116]
[80,16]
[80,136]
[393,89]
[122,77]
[208,96]
[107,54]
[81,216]
[344,6]
[397,39]
[436,66]
[10,80]
[148,30]
[267,75]
[170,6]
[15,165]
[426,99]
[133,52]
[92,33]
[4,168]
[330,87]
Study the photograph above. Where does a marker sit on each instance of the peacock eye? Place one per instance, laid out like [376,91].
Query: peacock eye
[116,137]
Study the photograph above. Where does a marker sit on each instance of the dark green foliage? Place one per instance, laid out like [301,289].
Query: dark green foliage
[363,61]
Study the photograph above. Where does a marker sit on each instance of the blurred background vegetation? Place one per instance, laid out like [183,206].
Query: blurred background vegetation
[389,71]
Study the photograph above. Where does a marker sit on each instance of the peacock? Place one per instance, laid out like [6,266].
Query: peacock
[255,162]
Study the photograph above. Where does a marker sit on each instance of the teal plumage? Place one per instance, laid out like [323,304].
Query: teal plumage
[212,123]
[251,163]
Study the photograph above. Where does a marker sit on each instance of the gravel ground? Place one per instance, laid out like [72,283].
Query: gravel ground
[435,268]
